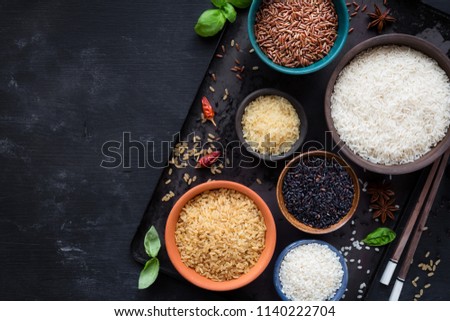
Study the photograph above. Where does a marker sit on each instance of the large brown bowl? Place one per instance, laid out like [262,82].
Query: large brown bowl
[391,39]
[291,218]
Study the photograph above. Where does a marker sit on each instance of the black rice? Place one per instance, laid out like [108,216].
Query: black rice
[318,192]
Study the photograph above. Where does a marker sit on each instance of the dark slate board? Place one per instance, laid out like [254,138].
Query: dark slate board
[309,90]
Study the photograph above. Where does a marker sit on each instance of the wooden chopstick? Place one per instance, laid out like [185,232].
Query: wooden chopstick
[396,291]
[392,264]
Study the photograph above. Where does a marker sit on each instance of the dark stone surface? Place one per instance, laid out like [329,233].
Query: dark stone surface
[76,74]
[73,75]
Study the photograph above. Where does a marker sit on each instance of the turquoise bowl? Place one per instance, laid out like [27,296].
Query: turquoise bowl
[343,26]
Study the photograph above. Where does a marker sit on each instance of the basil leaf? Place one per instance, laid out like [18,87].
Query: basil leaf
[219,3]
[241,4]
[149,273]
[210,23]
[379,237]
[152,243]
[229,12]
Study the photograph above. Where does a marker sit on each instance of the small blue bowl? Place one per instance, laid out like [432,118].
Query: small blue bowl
[276,275]
[343,26]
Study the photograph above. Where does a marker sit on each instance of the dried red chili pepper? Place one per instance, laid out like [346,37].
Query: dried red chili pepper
[208,111]
[208,160]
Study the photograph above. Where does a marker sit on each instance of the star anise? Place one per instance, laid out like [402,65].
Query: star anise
[379,18]
[384,209]
[380,191]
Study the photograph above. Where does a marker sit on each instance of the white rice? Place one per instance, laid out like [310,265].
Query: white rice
[391,104]
[311,272]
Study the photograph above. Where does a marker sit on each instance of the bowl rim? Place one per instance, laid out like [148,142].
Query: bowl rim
[276,272]
[298,108]
[199,280]
[306,228]
[413,42]
[343,19]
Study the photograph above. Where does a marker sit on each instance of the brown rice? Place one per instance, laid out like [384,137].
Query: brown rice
[220,234]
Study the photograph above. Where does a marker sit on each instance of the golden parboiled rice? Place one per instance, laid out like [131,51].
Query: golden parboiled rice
[220,234]
[270,125]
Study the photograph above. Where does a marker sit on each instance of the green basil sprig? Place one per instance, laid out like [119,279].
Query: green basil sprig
[229,12]
[219,3]
[241,4]
[379,237]
[149,273]
[212,21]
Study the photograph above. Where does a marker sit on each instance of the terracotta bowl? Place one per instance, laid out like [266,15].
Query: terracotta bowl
[291,218]
[190,274]
[391,39]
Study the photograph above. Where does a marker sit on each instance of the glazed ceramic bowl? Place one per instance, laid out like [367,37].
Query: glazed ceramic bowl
[342,32]
[390,39]
[276,274]
[291,218]
[298,108]
[190,274]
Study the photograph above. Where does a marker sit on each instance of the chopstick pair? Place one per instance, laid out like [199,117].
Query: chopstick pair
[420,212]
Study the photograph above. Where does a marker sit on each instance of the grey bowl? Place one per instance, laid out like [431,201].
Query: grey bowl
[298,108]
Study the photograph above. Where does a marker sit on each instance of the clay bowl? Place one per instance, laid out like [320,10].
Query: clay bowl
[190,274]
